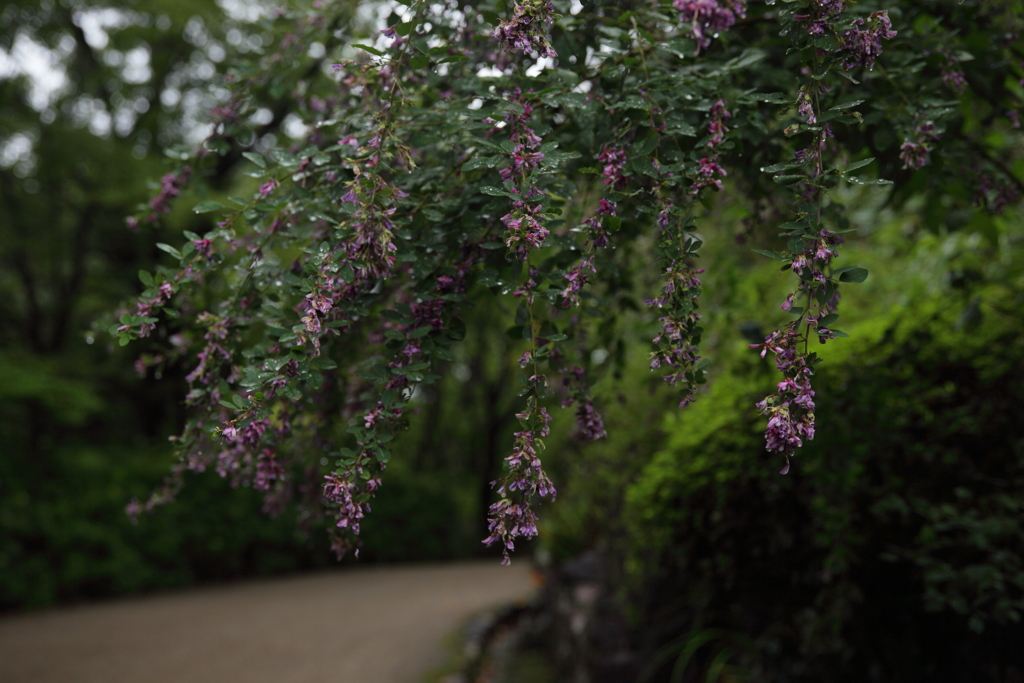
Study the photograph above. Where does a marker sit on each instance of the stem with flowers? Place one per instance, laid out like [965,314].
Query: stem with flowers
[527,154]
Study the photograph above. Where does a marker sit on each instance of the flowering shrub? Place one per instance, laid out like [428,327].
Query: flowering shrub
[531,152]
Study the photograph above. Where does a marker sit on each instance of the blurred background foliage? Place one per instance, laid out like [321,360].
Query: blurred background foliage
[91,96]
[893,550]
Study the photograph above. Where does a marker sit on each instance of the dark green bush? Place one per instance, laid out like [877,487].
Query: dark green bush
[419,516]
[894,549]
[67,537]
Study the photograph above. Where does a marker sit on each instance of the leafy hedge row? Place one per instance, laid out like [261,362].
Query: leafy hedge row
[894,549]
[64,535]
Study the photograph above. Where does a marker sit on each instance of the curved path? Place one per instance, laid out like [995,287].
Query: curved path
[372,625]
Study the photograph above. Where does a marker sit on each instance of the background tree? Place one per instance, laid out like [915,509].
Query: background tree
[383,180]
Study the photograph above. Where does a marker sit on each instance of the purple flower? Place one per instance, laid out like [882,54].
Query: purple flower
[805,106]
[790,409]
[342,492]
[268,470]
[522,164]
[577,277]
[674,346]
[133,510]
[203,248]
[716,125]
[707,175]
[913,154]
[614,160]
[926,132]
[526,31]
[508,520]
[589,425]
[709,17]
[524,228]
[830,7]
[954,80]
[319,302]
[996,194]
[817,23]
[269,186]
[373,242]
[865,45]
[391,33]
[170,187]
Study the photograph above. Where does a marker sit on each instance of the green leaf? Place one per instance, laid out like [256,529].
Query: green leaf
[866,181]
[771,254]
[371,50]
[480,161]
[207,206]
[284,158]
[494,191]
[859,164]
[846,105]
[851,274]
[146,278]
[169,249]
[255,158]
[772,98]
[457,329]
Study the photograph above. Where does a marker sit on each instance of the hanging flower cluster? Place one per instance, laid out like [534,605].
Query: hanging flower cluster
[864,45]
[709,17]
[819,21]
[589,423]
[524,224]
[709,172]
[511,516]
[596,237]
[321,299]
[677,345]
[915,153]
[527,30]
[790,410]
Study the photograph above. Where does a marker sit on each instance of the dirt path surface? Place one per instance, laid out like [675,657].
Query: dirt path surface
[359,626]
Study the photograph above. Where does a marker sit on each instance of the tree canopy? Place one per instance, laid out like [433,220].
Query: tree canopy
[409,163]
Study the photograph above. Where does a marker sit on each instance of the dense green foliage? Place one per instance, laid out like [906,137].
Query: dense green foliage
[81,432]
[315,293]
[446,162]
[893,552]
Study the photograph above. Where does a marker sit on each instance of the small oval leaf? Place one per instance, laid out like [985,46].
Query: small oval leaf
[853,274]
[207,206]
